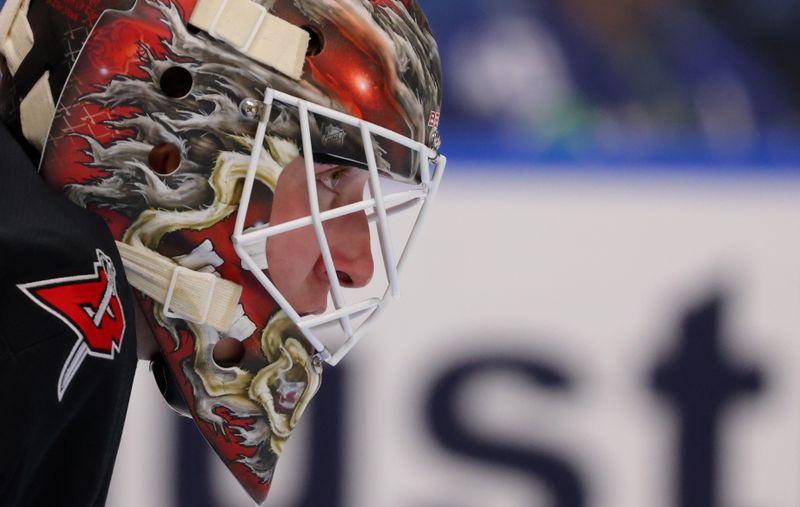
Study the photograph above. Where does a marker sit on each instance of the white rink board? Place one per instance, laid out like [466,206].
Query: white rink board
[592,275]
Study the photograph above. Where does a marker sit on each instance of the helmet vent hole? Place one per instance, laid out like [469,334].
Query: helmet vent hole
[228,352]
[164,158]
[176,82]
[315,42]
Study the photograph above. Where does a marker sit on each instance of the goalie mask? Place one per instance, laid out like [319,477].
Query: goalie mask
[262,166]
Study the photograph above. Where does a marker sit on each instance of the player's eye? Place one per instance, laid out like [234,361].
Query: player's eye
[332,178]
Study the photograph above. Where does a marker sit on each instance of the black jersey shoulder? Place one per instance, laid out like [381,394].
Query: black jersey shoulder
[48,430]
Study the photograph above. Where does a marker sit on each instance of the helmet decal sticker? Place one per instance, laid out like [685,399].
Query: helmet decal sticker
[434,119]
[89,305]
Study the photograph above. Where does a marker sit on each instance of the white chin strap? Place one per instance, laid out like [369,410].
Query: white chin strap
[202,298]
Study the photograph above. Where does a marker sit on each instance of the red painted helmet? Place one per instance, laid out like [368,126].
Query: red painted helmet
[261,165]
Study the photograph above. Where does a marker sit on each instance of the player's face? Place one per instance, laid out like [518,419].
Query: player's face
[295,261]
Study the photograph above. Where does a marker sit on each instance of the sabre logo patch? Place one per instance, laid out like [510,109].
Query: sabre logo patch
[90,306]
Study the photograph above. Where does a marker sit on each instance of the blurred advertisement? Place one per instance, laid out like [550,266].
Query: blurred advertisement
[560,341]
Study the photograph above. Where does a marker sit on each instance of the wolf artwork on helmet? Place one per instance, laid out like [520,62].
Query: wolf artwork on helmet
[181,139]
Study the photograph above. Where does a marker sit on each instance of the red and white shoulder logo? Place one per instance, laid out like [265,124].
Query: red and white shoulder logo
[90,306]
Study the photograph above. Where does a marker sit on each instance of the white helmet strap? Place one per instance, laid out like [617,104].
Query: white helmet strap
[16,40]
[202,298]
[247,26]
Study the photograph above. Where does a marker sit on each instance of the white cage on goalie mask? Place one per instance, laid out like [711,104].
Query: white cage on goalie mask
[378,206]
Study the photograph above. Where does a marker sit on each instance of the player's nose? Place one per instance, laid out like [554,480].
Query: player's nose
[350,245]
